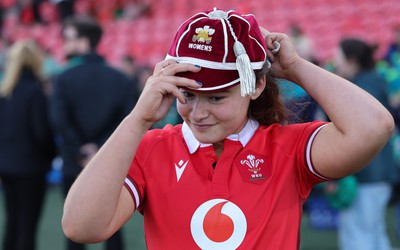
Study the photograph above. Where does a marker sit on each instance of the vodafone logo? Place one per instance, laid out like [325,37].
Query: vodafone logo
[218,224]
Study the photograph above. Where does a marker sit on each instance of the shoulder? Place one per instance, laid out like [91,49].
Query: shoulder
[156,140]
[163,135]
[292,134]
[291,129]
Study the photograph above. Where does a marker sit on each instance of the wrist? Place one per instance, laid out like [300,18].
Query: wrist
[136,123]
[296,69]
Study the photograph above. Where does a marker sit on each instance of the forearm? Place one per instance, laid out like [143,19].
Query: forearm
[360,124]
[92,202]
[349,107]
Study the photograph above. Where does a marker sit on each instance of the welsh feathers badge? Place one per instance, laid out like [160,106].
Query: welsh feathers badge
[253,167]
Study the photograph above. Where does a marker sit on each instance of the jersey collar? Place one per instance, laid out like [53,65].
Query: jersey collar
[243,136]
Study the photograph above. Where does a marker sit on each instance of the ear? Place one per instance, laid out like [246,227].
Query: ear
[260,86]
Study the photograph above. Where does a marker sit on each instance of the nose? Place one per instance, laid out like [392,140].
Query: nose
[199,110]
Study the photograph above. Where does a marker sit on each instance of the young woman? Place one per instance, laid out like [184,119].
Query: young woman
[234,175]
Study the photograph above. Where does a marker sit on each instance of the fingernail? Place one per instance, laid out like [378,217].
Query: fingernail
[199,83]
[197,66]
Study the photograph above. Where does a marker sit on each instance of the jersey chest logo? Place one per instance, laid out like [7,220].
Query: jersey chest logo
[253,167]
[218,224]
[180,168]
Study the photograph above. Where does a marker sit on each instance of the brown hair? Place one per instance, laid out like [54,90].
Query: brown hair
[268,108]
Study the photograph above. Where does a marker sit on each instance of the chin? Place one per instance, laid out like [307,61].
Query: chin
[207,139]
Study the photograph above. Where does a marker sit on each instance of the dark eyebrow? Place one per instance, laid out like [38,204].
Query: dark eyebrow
[220,92]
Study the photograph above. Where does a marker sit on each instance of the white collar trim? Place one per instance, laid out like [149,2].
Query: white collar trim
[243,136]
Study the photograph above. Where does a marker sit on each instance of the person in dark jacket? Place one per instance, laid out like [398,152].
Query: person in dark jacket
[362,225]
[26,144]
[90,99]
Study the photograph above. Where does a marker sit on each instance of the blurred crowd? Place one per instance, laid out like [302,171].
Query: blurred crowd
[61,110]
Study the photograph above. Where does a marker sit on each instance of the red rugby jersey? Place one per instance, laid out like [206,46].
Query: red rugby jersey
[252,199]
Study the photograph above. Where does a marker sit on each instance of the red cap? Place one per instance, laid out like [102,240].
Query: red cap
[207,39]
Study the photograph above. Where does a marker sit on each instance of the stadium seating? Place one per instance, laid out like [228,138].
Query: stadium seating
[148,37]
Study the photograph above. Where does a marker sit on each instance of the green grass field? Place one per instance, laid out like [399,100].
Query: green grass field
[52,238]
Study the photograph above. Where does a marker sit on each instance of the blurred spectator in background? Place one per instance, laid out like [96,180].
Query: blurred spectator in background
[393,54]
[145,72]
[131,9]
[132,70]
[362,225]
[138,75]
[303,44]
[26,144]
[29,11]
[301,107]
[90,99]
[65,8]
[51,66]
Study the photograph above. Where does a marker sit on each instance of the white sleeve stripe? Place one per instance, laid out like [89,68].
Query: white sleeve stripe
[134,191]
[308,153]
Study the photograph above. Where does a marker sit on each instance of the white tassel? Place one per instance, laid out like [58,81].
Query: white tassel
[246,73]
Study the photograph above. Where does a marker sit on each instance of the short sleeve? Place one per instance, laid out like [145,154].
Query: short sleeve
[135,184]
[307,175]
[135,180]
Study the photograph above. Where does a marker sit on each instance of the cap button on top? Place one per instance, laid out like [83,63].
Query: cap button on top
[217,14]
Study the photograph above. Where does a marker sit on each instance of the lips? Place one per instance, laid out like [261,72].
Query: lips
[202,127]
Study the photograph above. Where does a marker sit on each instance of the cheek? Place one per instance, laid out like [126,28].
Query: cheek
[236,110]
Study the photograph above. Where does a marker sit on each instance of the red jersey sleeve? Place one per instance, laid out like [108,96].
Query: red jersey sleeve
[307,175]
[135,181]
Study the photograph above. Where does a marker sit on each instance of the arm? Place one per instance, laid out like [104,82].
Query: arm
[360,125]
[97,204]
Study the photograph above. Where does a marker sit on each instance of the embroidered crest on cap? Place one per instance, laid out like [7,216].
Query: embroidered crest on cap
[203,34]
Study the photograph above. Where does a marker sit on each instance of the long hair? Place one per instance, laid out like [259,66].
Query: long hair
[24,54]
[268,108]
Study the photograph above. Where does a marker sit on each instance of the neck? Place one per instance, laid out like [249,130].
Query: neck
[218,148]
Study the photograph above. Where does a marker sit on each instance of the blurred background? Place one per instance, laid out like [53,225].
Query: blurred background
[138,33]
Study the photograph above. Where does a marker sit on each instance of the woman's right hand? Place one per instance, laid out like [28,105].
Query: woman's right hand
[160,90]
[284,60]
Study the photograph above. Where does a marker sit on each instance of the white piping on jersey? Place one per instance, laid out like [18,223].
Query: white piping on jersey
[243,136]
[134,191]
[308,153]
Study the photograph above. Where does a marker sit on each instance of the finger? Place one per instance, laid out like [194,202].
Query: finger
[179,96]
[163,64]
[180,82]
[171,89]
[178,68]
[277,47]
[270,38]
[264,31]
